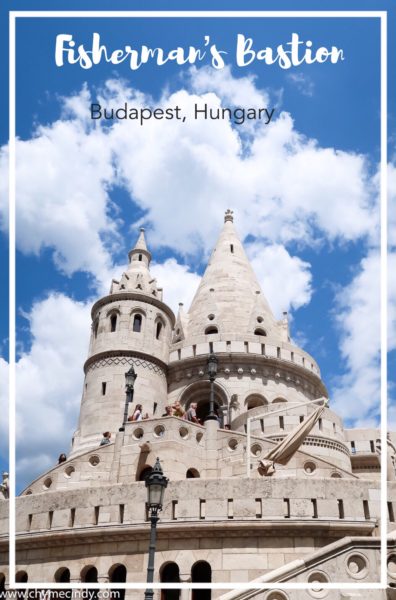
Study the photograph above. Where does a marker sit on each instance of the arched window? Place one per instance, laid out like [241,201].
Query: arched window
[279,400]
[90,575]
[140,257]
[113,323]
[118,574]
[62,575]
[169,573]
[158,330]
[21,577]
[254,400]
[192,474]
[259,331]
[201,572]
[96,327]
[211,330]
[137,323]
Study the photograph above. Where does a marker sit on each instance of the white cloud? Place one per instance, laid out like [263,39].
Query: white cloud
[49,382]
[241,91]
[63,174]
[4,409]
[178,282]
[282,185]
[303,83]
[356,395]
[286,280]
[392,203]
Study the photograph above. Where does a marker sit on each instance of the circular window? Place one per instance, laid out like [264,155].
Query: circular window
[199,436]
[94,460]
[275,595]
[28,493]
[184,432]
[68,472]
[159,431]
[47,483]
[211,317]
[392,565]
[309,467]
[255,450]
[260,319]
[138,433]
[357,566]
[317,578]
[232,444]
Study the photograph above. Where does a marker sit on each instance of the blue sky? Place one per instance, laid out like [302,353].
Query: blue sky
[304,191]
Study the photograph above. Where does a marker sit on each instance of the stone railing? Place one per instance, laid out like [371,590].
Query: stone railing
[354,560]
[268,349]
[340,501]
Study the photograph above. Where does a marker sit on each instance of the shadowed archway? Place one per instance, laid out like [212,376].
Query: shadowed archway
[199,392]
[169,573]
[201,572]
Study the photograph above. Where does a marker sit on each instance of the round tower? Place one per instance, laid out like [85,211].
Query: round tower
[260,370]
[131,326]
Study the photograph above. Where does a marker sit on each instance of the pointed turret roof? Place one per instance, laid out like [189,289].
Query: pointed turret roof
[229,296]
[137,277]
[140,246]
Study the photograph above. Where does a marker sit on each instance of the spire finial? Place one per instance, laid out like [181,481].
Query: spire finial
[229,216]
[141,241]
[140,248]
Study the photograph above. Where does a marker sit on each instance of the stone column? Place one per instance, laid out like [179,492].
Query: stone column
[185,594]
[115,467]
[102,579]
[212,427]
[75,592]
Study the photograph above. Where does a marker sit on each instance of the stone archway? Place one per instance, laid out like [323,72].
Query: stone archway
[254,400]
[118,574]
[199,392]
[201,572]
[89,574]
[169,573]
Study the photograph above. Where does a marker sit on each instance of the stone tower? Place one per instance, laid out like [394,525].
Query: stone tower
[130,326]
[315,519]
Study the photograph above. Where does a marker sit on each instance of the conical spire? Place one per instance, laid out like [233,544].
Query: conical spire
[229,293]
[140,247]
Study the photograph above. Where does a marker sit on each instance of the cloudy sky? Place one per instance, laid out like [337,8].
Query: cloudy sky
[304,190]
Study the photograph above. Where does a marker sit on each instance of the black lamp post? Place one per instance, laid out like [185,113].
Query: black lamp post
[212,372]
[130,377]
[156,483]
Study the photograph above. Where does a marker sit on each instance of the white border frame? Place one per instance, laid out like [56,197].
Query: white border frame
[382,15]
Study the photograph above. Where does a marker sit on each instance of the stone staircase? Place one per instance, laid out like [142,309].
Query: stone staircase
[351,560]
